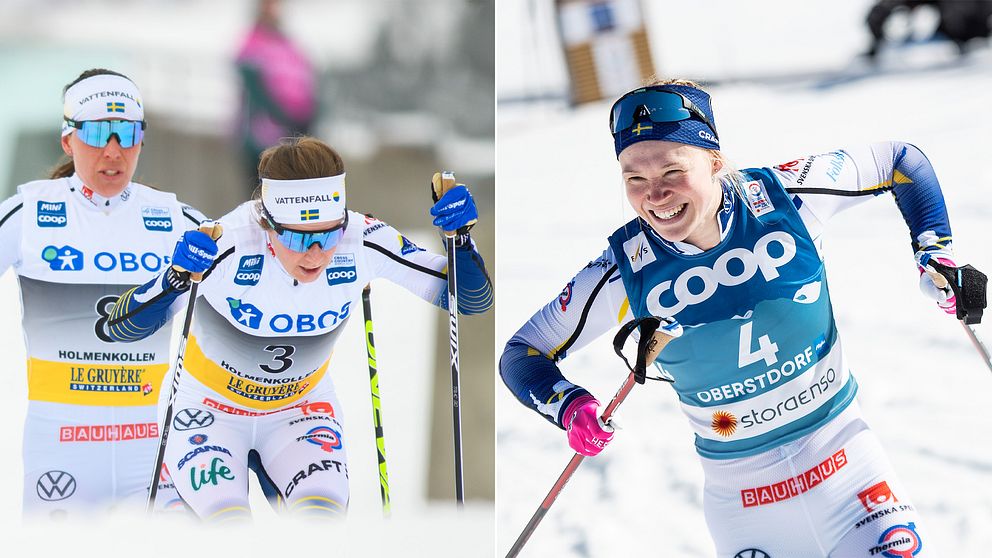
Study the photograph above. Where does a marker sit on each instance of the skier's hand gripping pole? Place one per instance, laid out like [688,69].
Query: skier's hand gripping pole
[655,333]
[968,286]
[196,246]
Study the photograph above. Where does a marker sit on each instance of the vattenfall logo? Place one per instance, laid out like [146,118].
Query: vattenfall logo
[749,264]
[51,214]
[55,485]
[249,270]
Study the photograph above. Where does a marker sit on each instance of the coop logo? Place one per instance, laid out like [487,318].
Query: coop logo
[324,436]
[51,214]
[752,261]
[341,270]
[55,485]
[249,270]
[638,252]
[65,258]
[898,541]
[244,313]
[157,218]
[191,419]
[877,495]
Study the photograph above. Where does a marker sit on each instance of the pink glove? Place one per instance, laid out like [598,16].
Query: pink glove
[587,434]
[945,297]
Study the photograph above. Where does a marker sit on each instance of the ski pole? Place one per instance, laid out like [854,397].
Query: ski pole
[380,441]
[968,285]
[655,334]
[214,230]
[441,183]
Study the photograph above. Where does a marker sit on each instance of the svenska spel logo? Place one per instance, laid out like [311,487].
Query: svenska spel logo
[51,214]
[157,218]
[65,258]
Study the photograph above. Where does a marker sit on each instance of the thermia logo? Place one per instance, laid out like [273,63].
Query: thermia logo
[249,270]
[157,218]
[638,252]
[341,270]
[750,263]
[51,214]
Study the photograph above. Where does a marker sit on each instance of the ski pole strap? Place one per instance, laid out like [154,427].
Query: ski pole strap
[648,326]
[969,286]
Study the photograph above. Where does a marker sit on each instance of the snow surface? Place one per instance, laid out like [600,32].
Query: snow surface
[923,388]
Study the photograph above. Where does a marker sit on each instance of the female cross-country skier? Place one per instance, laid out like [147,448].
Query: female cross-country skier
[77,241]
[734,257]
[257,373]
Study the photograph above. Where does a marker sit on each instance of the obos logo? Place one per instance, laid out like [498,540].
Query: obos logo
[157,218]
[341,270]
[249,270]
[244,313]
[55,485]
[65,258]
[750,263]
[51,214]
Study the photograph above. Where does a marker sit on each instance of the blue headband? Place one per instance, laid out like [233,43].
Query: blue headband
[672,119]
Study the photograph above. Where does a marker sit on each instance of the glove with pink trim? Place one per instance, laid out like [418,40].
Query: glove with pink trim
[944,296]
[587,434]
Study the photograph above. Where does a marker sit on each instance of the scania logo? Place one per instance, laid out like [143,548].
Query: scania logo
[190,419]
[55,485]
[721,274]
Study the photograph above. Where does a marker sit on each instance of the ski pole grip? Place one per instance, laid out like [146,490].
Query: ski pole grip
[968,285]
[440,184]
[214,231]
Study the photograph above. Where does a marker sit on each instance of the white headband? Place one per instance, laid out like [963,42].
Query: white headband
[299,202]
[102,97]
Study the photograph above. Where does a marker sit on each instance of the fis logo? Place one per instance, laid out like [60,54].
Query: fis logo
[407,247]
[65,258]
[341,270]
[157,218]
[244,313]
[191,419]
[115,107]
[55,485]
[51,214]
[249,270]
[638,252]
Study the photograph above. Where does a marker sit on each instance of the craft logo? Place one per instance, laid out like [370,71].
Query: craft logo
[324,465]
[795,486]
[244,313]
[249,270]
[406,246]
[198,439]
[324,436]
[157,218]
[55,485]
[65,258]
[638,252]
[115,107]
[108,432]
[566,296]
[191,419]
[342,269]
[724,423]
[757,198]
[51,214]
[898,541]
[876,496]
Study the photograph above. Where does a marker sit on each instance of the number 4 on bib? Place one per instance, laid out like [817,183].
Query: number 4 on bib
[766,349]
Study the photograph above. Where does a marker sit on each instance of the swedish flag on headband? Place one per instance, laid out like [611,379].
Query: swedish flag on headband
[115,107]
[309,214]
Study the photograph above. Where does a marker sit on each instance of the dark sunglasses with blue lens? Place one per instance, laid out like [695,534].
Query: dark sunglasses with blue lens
[301,241]
[655,105]
[97,133]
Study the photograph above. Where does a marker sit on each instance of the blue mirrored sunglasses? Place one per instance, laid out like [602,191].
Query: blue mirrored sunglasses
[300,241]
[656,106]
[97,133]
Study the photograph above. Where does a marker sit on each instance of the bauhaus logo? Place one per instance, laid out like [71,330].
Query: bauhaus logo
[746,263]
[55,485]
[157,218]
[249,270]
[51,214]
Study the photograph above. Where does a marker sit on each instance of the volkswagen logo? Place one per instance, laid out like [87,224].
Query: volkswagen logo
[55,485]
[190,419]
[752,553]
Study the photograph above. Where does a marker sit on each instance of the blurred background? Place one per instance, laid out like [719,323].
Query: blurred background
[788,79]
[400,89]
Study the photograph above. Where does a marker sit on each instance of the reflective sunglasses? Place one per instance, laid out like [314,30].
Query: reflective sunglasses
[658,106]
[97,133]
[300,241]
